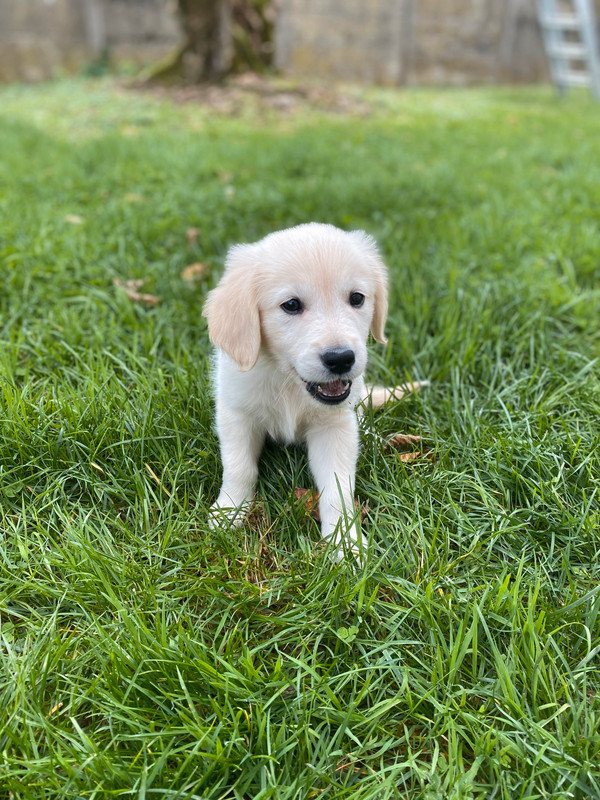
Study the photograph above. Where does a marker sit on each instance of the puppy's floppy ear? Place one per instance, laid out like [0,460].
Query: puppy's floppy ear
[379,272]
[381,305]
[231,309]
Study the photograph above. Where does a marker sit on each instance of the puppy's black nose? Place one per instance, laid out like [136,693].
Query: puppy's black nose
[339,360]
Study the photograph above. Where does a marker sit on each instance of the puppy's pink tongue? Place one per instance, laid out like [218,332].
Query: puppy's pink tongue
[333,389]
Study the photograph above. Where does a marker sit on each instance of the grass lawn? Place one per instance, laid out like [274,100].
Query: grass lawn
[142,655]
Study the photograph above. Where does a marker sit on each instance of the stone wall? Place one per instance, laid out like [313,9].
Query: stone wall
[393,42]
[475,41]
[38,38]
[412,41]
[349,39]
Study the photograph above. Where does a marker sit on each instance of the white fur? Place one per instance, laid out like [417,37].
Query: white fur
[265,357]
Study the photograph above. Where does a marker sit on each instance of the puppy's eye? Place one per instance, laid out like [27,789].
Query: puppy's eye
[357,299]
[292,306]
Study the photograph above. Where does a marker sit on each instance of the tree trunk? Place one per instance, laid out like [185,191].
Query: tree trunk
[207,52]
[220,36]
[95,28]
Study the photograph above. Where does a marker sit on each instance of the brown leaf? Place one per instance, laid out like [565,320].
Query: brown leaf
[192,235]
[193,272]
[406,458]
[310,500]
[364,510]
[403,440]
[130,288]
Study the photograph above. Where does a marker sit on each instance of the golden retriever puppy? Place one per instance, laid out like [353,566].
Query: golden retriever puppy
[290,320]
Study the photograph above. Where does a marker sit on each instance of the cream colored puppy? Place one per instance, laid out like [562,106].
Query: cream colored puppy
[290,319]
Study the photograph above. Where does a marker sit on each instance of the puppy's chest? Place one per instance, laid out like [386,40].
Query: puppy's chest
[283,421]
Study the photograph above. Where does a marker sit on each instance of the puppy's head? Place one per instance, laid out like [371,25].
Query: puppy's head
[307,297]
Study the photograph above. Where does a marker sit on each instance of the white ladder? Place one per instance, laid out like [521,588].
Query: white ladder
[570,39]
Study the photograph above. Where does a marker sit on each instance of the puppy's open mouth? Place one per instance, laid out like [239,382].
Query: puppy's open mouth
[330,393]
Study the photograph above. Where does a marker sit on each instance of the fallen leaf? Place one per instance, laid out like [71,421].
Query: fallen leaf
[364,510]
[405,442]
[402,440]
[407,458]
[310,499]
[130,288]
[193,272]
[74,219]
[192,235]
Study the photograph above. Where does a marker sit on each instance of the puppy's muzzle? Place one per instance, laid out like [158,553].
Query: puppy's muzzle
[338,361]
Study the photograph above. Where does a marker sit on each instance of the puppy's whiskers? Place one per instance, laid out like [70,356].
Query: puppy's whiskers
[287,382]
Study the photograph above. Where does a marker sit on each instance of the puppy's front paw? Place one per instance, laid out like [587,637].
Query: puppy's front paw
[346,540]
[223,514]
[357,548]
[344,547]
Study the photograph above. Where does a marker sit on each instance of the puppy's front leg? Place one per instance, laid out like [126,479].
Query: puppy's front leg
[241,442]
[332,455]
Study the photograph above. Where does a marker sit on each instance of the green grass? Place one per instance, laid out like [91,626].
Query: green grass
[142,655]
